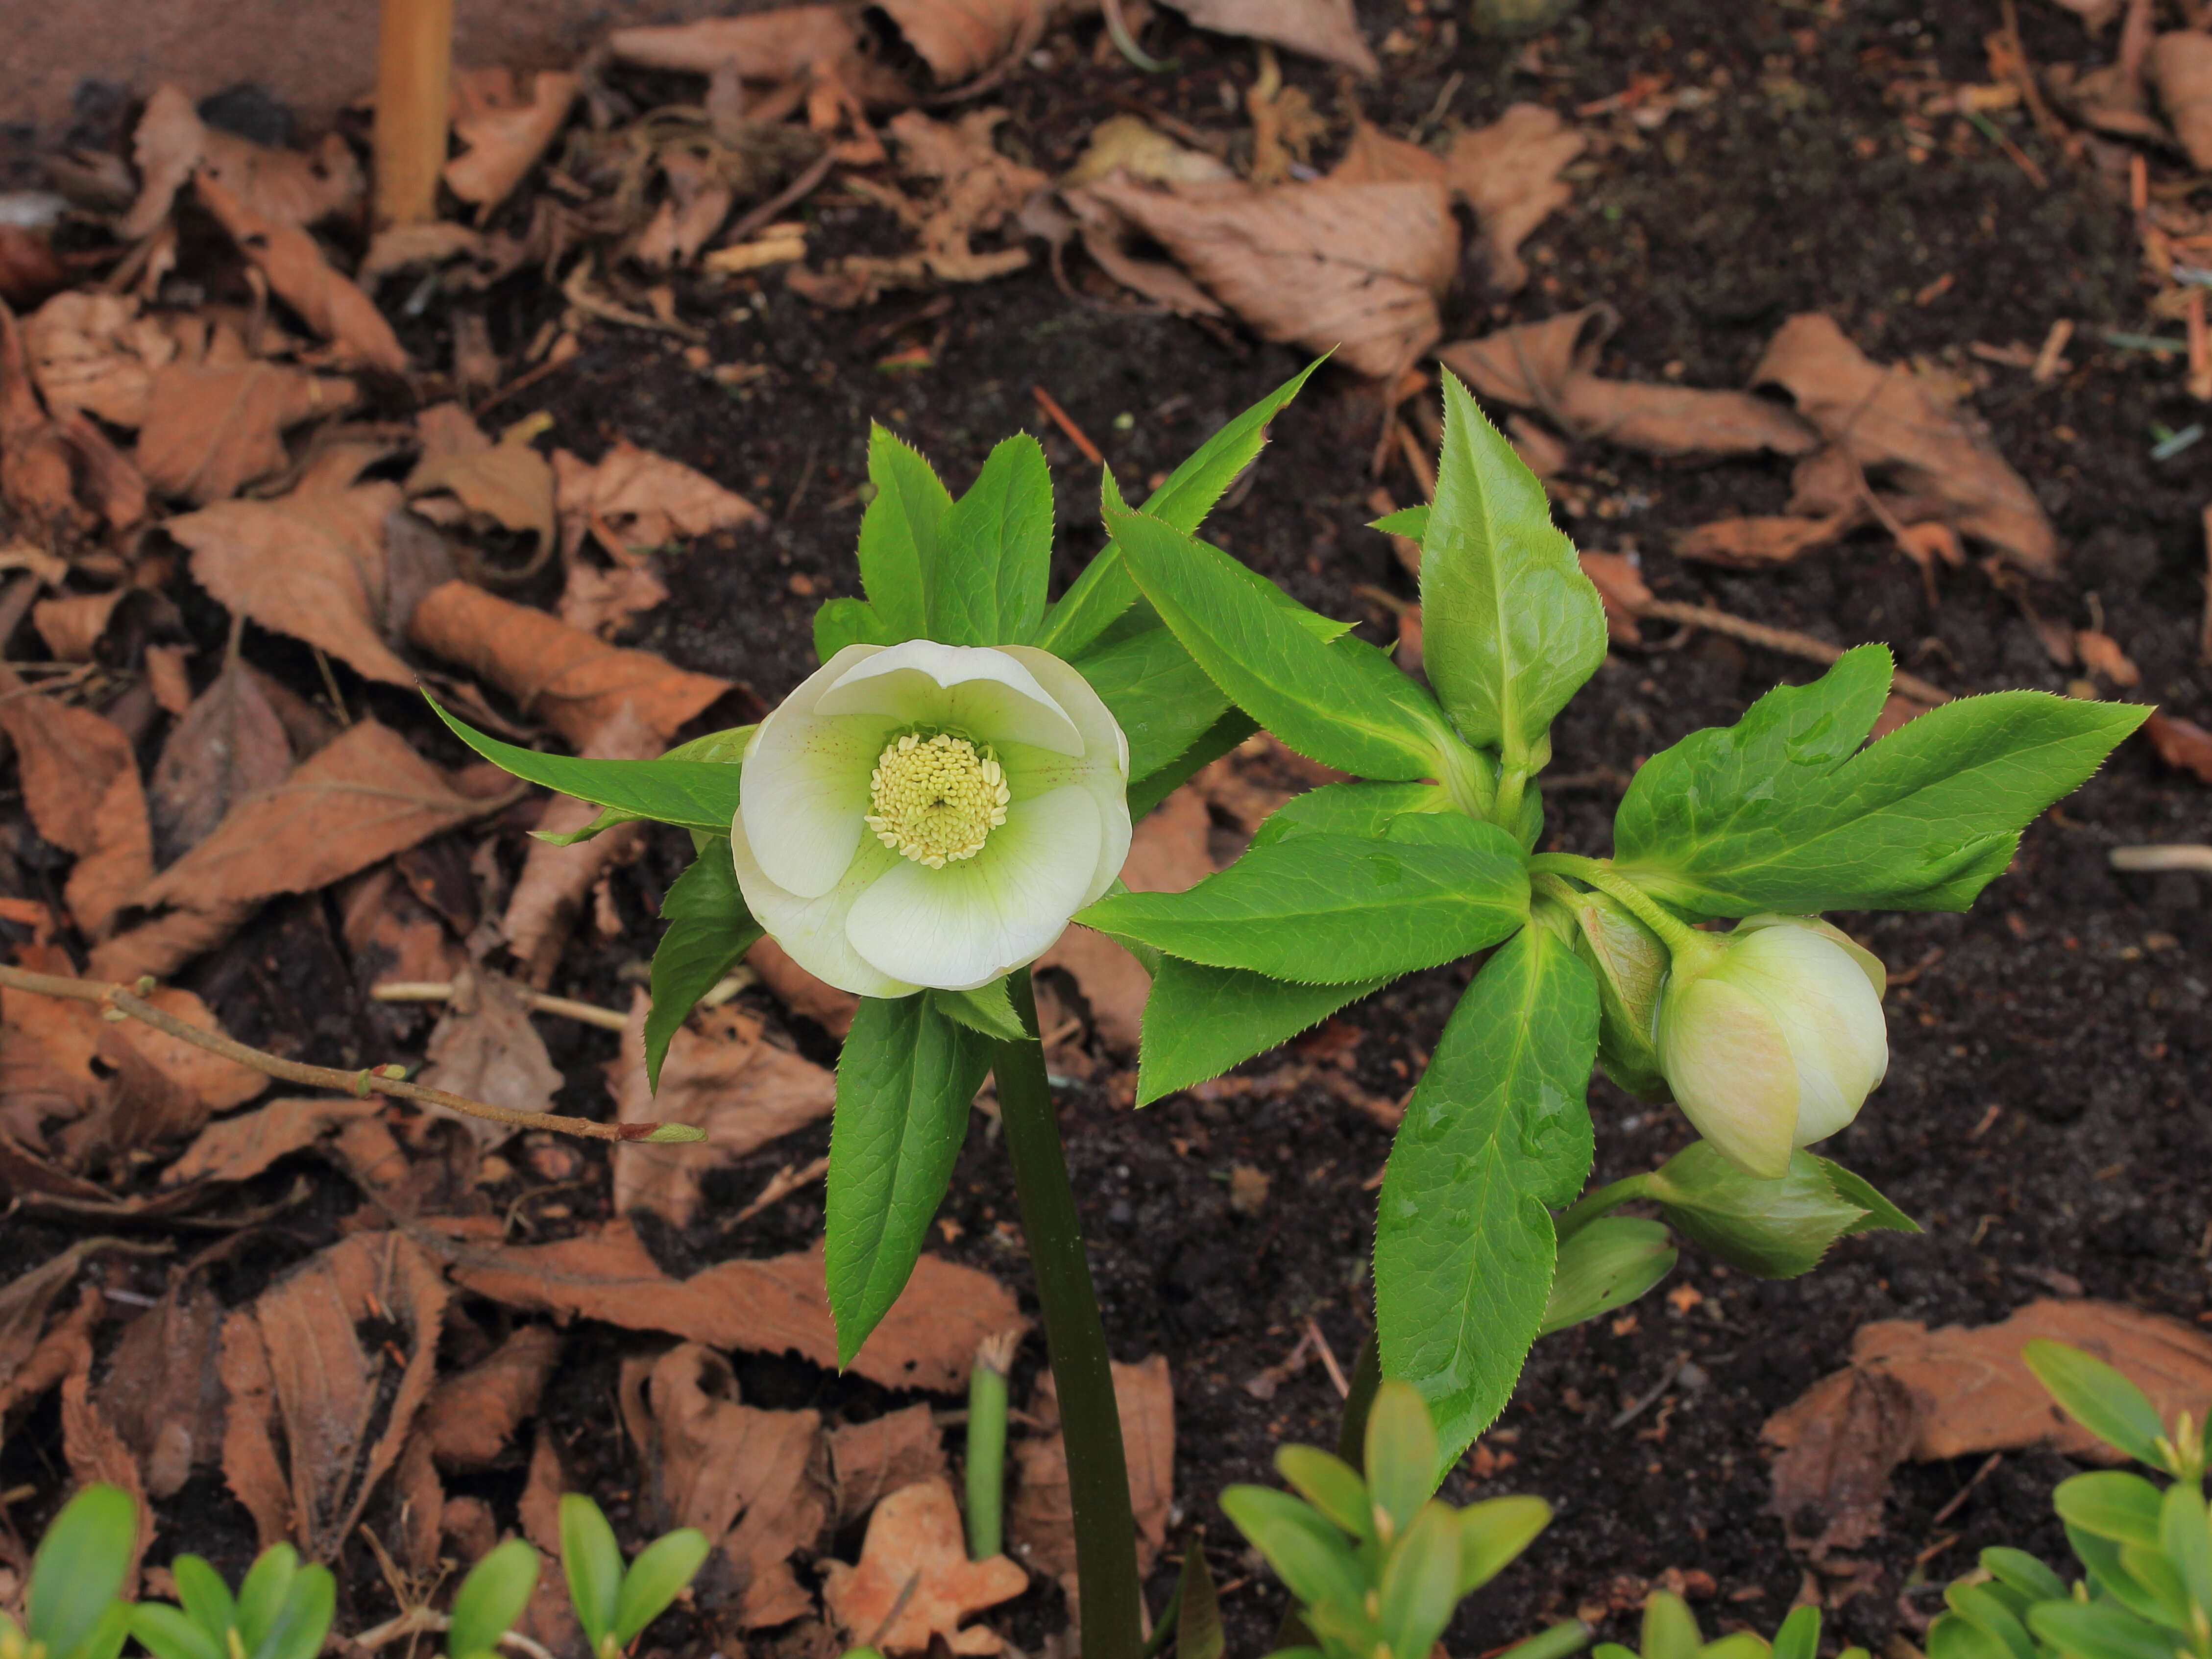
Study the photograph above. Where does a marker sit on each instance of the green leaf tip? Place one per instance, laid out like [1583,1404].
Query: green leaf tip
[670,1134]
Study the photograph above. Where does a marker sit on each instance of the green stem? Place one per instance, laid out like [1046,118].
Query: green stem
[987,1448]
[1512,783]
[1352,1427]
[1681,939]
[1075,1340]
[1592,1205]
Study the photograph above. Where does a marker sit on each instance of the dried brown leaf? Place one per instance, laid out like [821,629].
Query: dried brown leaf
[212,430]
[510,484]
[484,1047]
[504,127]
[1376,157]
[1167,854]
[364,797]
[960,39]
[602,602]
[1750,543]
[239,1148]
[1893,419]
[756,1482]
[96,1453]
[2182,743]
[789,43]
[1041,1518]
[213,1082]
[79,780]
[1842,1439]
[915,1583]
[556,882]
[73,624]
[95,351]
[646,500]
[228,746]
[1325,29]
[312,1424]
[25,1301]
[2101,654]
[471,1416]
[2181,70]
[161,1390]
[1547,366]
[1356,267]
[567,678]
[328,301]
[60,472]
[927,1342]
[799,991]
[724,1078]
[1508,173]
[870,1461]
[284,185]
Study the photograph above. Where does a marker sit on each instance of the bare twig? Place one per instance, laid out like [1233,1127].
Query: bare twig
[1066,422]
[2149,859]
[1336,1376]
[115,1002]
[1787,640]
[780,1185]
[797,191]
[441,990]
[420,1622]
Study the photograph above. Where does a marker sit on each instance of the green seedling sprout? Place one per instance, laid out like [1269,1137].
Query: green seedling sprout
[490,1599]
[612,1604]
[71,1605]
[1670,1631]
[986,1445]
[283,1610]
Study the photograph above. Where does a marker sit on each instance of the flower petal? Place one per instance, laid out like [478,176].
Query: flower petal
[805,789]
[966,925]
[1105,762]
[812,930]
[981,692]
[1732,1072]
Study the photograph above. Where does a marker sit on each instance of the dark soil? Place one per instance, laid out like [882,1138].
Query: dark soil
[2046,1116]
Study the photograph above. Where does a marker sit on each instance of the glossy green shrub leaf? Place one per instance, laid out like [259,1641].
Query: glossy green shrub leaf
[1511,628]
[2107,1570]
[709,931]
[1800,1635]
[1782,812]
[725,748]
[1200,1022]
[898,537]
[1161,699]
[905,1082]
[1979,1608]
[1605,1264]
[1399,1455]
[591,1561]
[1330,1485]
[1492,1532]
[170,1632]
[2111,1503]
[1198,1632]
[1631,966]
[2100,1398]
[205,1595]
[1408,522]
[1420,1583]
[1670,1629]
[1953,1638]
[1366,810]
[1105,589]
[2185,1535]
[994,551]
[2022,1572]
[1882,1215]
[656,1579]
[988,1010]
[2098,1630]
[79,1569]
[2162,1583]
[490,1599]
[693,794]
[263,1593]
[1496,1134]
[1338,909]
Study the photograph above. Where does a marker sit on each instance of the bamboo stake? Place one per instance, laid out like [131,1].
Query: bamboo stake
[413,91]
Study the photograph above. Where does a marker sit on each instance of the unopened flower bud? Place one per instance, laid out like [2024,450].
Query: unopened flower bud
[1631,964]
[1772,1038]
[1605,1265]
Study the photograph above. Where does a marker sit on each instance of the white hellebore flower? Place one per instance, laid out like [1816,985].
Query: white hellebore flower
[930,815]
[1774,1040]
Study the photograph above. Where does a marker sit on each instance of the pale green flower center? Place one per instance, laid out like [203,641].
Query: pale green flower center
[936,799]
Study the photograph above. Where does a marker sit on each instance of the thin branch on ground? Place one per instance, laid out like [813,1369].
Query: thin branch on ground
[441,990]
[1787,640]
[117,1002]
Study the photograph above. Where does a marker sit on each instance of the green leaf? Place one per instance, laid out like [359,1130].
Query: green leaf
[1800,1635]
[727,746]
[656,1579]
[1777,813]
[2100,1398]
[2106,1571]
[994,551]
[987,1012]
[1605,1265]
[1772,1229]
[1420,1583]
[1105,589]
[696,794]
[1511,628]
[1408,522]
[1330,1485]
[899,535]
[593,1563]
[1953,1638]
[2185,1535]
[1670,1629]
[1495,1134]
[79,1568]
[109,1633]
[263,1593]
[1335,908]
[1198,1610]
[1219,738]
[303,1621]
[1199,1021]
[1492,1532]
[710,930]
[2098,1630]
[1976,1605]
[1399,1454]
[1160,698]
[2110,1503]
[905,1082]
[845,621]
[1881,1216]
[2021,1571]
[1630,965]
[1366,810]
[1310,1556]
[169,1632]
[2161,1578]
[202,1592]
[490,1599]
[1342,703]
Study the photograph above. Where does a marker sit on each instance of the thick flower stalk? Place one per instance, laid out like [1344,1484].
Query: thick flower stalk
[1772,1037]
[930,816]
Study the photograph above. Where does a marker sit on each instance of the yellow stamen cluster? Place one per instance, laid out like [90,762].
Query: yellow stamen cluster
[936,799]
